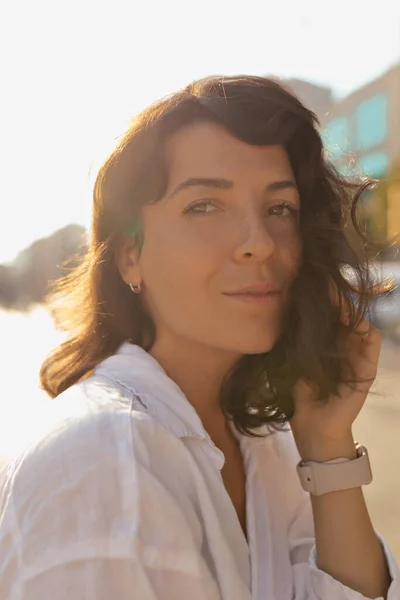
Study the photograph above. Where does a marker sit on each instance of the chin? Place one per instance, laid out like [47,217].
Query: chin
[249,338]
[258,349]
[257,346]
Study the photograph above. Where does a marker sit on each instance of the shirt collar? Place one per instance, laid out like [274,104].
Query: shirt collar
[141,375]
[138,372]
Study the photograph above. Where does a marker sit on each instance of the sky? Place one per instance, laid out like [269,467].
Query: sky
[73,73]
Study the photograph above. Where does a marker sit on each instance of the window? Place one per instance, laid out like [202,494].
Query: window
[335,137]
[349,169]
[375,164]
[371,121]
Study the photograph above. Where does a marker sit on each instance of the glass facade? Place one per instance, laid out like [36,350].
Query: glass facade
[349,169]
[359,134]
[375,164]
[336,137]
[371,121]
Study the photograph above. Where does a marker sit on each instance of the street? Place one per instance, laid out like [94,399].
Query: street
[378,428]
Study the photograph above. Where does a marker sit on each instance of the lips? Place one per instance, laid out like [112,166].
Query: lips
[256,289]
[261,294]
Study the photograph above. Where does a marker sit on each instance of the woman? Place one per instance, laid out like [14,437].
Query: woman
[210,312]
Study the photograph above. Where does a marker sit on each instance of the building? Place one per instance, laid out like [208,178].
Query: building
[317,98]
[362,136]
[363,129]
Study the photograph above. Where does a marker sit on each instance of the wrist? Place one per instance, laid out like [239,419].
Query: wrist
[323,450]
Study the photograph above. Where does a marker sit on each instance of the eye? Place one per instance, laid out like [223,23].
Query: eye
[284,209]
[200,207]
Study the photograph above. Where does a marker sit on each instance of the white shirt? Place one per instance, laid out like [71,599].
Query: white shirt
[122,498]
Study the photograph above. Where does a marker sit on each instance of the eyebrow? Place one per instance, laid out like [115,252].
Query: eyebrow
[225,184]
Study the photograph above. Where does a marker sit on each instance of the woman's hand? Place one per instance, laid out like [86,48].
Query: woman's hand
[324,431]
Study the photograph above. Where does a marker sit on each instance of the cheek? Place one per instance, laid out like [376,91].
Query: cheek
[290,257]
[176,262]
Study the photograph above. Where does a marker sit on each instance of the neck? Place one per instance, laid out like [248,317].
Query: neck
[199,371]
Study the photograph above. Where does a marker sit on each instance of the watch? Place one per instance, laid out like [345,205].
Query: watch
[335,475]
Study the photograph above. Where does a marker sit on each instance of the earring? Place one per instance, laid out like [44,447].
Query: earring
[136,289]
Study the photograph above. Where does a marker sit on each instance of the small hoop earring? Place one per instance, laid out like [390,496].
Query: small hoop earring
[136,289]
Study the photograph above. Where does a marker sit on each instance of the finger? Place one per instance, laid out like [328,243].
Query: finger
[371,345]
[345,313]
[365,329]
[340,302]
[334,294]
[363,350]
[365,337]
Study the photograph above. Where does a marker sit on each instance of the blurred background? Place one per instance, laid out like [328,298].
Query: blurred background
[73,73]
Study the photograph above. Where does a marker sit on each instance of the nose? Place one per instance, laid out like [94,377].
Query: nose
[256,245]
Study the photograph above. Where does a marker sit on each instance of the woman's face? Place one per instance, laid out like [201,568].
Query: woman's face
[222,247]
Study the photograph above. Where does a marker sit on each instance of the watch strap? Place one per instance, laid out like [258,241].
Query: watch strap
[335,475]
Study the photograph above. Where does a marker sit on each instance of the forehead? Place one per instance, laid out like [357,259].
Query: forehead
[206,149]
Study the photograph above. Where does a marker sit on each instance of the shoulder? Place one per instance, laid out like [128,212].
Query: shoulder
[87,483]
[92,428]
[54,494]
[97,443]
[95,427]
[80,424]
[90,485]
[85,430]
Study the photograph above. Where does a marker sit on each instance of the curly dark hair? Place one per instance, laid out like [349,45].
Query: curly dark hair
[99,312]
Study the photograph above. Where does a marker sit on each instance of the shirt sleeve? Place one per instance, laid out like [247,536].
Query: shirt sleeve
[311,583]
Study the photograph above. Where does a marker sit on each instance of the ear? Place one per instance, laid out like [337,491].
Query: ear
[126,258]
